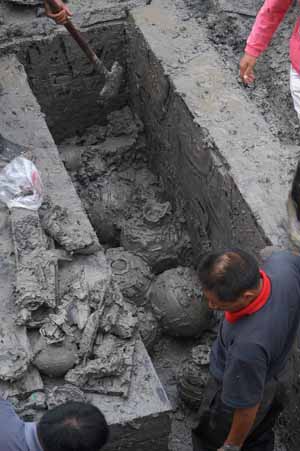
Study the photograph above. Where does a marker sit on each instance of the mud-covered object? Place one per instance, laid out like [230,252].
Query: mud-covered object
[117,316]
[122,122]
[107,212]
[61,394]
[13,362]
[109,372]
[161,241]
[193,376]
[71,156]
[148,327]
[54,360]
[132,274]
[35,401]
[177,301]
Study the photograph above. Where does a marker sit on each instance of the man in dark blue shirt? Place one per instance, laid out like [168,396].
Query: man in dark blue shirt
[250,355]
[72,426]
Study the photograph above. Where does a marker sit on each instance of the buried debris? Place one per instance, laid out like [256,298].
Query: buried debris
[193,376]
[149,327]
[36,279]
[177,301]
[110,370]
[157,237]
[60,394]
[131,273]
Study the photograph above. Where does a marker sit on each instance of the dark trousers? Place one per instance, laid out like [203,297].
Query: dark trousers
[215,420]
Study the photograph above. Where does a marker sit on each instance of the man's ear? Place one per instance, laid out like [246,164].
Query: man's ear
[249,295]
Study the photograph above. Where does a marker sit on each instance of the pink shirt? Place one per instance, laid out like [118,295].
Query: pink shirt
[267,21]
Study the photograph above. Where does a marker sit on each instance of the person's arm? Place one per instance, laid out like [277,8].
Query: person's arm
[243,420]
[60,17]
[243,387]
[266,23]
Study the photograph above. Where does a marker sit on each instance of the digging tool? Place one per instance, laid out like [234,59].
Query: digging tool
[113,78]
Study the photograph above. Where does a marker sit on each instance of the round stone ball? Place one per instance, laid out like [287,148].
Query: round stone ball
[177,301]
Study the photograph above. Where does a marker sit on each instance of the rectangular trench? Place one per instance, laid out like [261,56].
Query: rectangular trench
[183,154]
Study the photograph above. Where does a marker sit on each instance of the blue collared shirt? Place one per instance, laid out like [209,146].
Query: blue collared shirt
[15,434]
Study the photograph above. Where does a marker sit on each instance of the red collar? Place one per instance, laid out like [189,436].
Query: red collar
[255,305]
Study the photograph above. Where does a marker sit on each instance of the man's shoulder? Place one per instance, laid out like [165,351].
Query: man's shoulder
[11,428]
[283,265]
[284,256]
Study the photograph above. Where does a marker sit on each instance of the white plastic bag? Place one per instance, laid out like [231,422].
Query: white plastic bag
[21,185]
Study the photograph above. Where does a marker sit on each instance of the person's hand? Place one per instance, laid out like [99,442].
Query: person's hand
[247,64]
[60,17]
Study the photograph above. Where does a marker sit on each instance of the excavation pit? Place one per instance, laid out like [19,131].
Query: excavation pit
[162,163]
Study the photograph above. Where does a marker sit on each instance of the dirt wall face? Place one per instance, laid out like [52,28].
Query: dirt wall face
[186,158]
[66,83]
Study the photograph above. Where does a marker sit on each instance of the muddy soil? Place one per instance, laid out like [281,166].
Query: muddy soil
[130,211]
[228,32]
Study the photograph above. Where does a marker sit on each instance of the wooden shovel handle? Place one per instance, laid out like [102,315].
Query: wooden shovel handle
[77,35]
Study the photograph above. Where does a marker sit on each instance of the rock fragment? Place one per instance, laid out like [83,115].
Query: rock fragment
[64,393]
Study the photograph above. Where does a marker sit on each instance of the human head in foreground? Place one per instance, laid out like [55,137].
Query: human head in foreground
[230,279]
[73,426]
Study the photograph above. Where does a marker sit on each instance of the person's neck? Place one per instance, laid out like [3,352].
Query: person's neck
[256,292]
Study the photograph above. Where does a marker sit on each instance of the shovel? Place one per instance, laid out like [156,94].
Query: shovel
[113,78]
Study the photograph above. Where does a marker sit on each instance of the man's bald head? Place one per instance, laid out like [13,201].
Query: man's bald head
[229,273]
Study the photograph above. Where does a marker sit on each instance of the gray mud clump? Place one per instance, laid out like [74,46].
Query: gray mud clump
[193,376]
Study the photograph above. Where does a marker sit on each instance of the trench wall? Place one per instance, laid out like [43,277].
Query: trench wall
[65,82]
[186,157]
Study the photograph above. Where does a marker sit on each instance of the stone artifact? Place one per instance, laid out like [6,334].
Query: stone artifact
[131,273]
[157,237]
[177,301]
[149,327]
[193,375]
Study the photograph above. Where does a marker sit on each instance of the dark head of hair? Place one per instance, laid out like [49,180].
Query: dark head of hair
[73,426]
[228,274]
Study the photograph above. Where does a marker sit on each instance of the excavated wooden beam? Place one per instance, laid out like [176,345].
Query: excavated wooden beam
[16,375]
[36,275]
